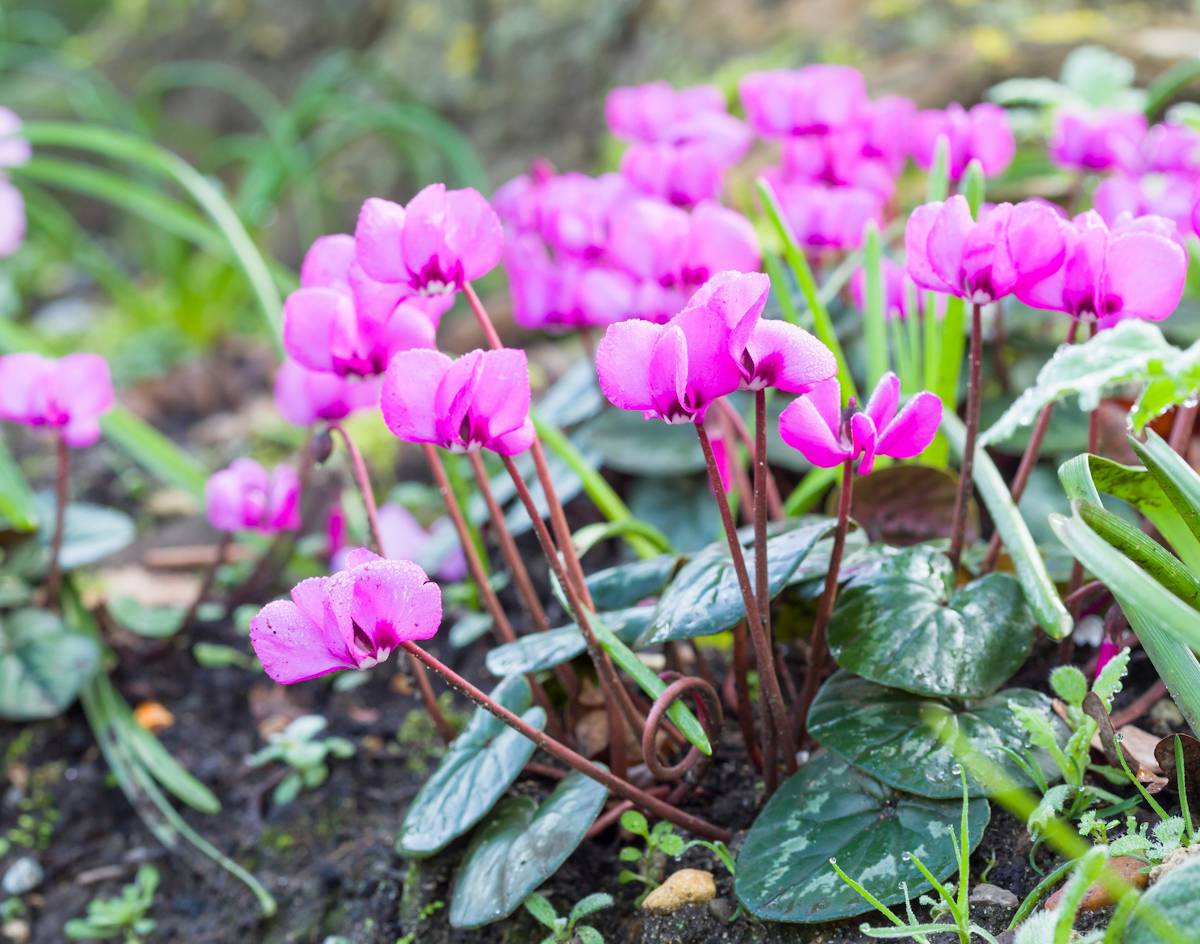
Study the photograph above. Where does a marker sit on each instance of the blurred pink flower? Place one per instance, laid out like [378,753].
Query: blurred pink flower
[434,246]
[480,400]
[1171,148]
[245,496]
[69,394]
[352,620]
[14,151]
[304,396]
[1010,246]
[1169,195]
[824,217]
[897,287]
[980,133]
[1097,140]
[437,550]
[647,112]
[1104,272]
[816,426]
[812,100]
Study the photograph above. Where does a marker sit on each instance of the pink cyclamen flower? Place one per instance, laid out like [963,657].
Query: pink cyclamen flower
[898,290]
[352,620]
[1010,246]
[437,549]
[68,395]
[480,400]
[816,426]
[980,133]
[812,100]
[1168,195]
[1104,271]
[716,344]
[341,321]
[645,112]
[305,396]
[14,151]
[1096,140]
[435,245]
[824,217]
[1104,655]
[1171,148]
[245,496]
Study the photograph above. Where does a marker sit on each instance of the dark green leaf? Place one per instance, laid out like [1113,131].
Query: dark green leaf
[43,665]
[538,651]
[519,847]
[626,585]
[905,626]
[1171,901]
[154,622]
[90,532]
[626,442]
[830,810]
[704,598]
[905,740]
[479,766]
[682,508]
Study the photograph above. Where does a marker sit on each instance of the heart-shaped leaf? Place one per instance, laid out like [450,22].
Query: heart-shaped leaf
[704,598]
[903,625]
[625,442]
[830,810]
[906,740]
[154,622]
[907,504]
[479,766]
[626,585]
[538,651]
[1170,904]
[43,665]
[682,508]
[90,532]
[519,847]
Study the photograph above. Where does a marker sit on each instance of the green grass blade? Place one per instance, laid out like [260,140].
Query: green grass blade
[149,156]
[794,254]
[1031,571]
[16,497]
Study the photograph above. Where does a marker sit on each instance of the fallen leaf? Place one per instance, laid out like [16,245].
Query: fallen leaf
[1164,752]
[1136,745]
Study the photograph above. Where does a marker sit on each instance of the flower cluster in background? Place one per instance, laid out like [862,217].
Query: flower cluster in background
[14,151]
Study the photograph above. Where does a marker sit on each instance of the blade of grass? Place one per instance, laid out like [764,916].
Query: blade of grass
[16,497]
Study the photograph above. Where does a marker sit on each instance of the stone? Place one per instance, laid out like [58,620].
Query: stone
[685,887]
[22,876]
[993,895]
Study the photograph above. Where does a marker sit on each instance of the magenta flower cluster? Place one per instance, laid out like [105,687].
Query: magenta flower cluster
[14,151]
[842,152]
[67,395]
[245,496]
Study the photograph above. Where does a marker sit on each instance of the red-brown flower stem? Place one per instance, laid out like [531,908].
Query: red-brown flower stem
[561,752]
[1028,461]
[206,585]
[516,563]
[614,692]
[741,687]
[818,647]
[558,518]
[966,487]
[363,480]
[1182,428]
[775,719]
[774,501]
[558,521]
[508,547]
[62,494]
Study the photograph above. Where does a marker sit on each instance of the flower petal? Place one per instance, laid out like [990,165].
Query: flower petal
[377,240]
[623,359]
[291,647]
[913,428]
[884,400]
[802,427]
[410,388]
[787,357]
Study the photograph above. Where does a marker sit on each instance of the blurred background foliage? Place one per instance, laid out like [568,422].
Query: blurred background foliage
[297,109]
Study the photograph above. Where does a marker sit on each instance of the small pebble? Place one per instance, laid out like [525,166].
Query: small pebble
[721,909]
[985,894]
[22,876]
[685,887]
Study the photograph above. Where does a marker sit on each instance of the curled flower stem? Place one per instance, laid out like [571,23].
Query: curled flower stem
[775,719]
[62,488]
[818,647]
[508,547]
[1028,461]
[614,692]
[622,788]
[206,585]
[962,501]
[363,481]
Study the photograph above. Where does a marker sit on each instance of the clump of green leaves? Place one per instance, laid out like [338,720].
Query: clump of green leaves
[419,738]
[299,746]
[660,844]
[122,918]
[568,930]
[952,897]
[1074,795]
